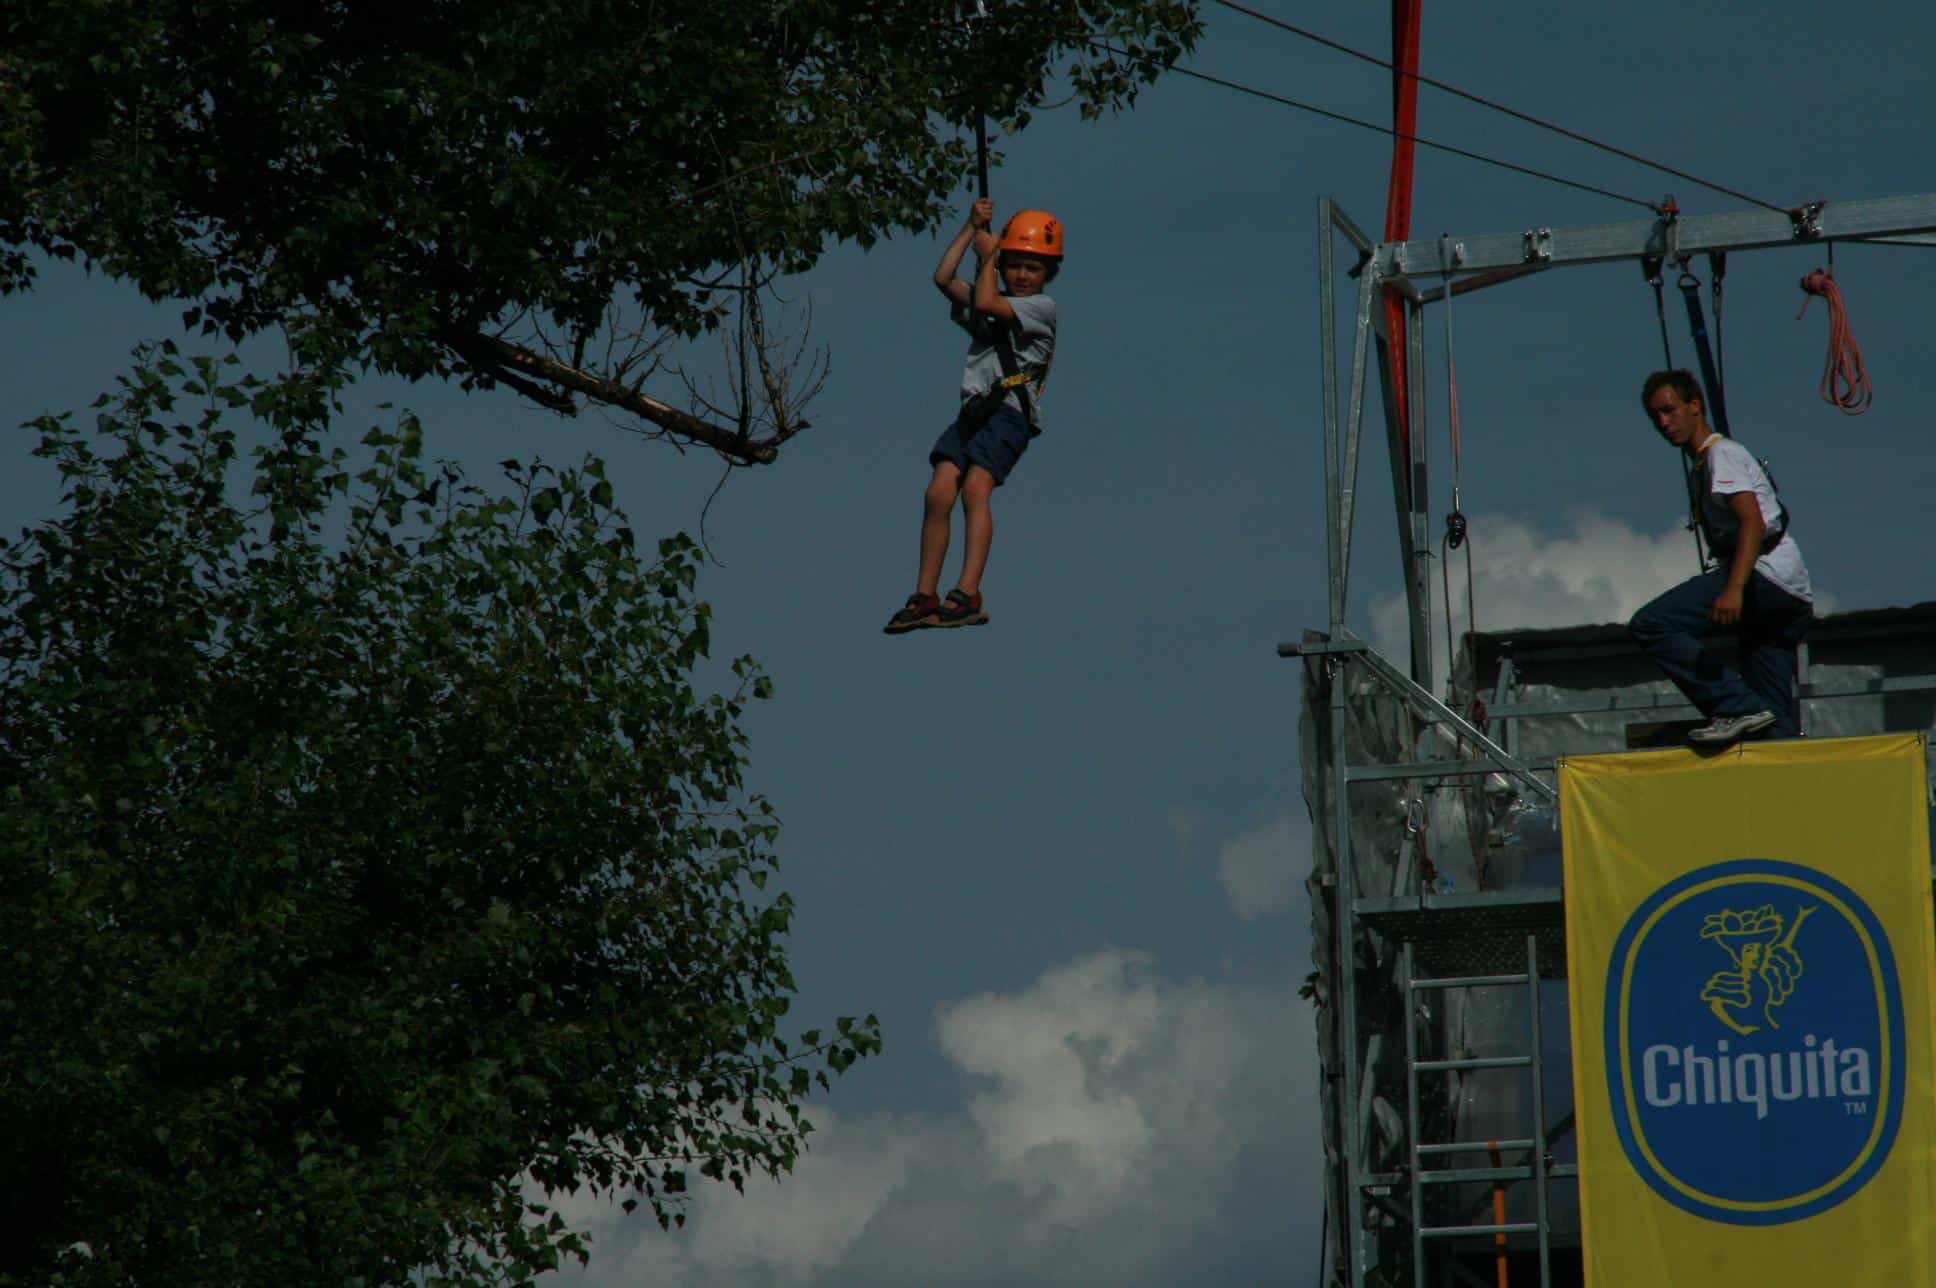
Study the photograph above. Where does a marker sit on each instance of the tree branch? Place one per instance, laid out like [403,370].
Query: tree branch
[505,361]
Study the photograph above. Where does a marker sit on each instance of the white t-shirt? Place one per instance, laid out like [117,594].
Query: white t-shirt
[1727,468]
[1033,339]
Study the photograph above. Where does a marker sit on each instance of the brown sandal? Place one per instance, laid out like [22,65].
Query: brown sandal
[919,611]
[961,609]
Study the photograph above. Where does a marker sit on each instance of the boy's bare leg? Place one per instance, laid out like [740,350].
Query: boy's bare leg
[979,522]
[937,509]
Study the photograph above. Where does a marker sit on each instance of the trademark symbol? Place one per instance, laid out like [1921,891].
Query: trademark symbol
[1855,1108]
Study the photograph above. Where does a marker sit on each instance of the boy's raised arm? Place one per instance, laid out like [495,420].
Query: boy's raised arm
[975,231]
[987,295]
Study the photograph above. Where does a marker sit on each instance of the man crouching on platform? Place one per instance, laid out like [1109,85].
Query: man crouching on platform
[1759,587]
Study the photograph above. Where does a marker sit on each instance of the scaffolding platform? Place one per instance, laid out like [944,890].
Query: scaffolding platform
[1473,935]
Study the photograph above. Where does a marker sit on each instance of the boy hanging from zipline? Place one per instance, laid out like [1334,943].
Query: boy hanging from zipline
[1011,341]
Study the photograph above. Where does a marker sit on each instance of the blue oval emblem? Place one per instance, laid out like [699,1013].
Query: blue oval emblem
[1754,1040]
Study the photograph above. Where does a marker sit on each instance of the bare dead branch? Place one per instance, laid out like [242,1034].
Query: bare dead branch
[502,360]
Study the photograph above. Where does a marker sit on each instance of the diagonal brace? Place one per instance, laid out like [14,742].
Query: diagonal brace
[1465,730]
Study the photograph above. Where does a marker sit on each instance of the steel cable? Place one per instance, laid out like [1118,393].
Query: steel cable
[1513,112]
[1315,110]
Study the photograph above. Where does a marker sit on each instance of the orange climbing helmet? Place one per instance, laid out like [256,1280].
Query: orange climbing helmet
[1034,232]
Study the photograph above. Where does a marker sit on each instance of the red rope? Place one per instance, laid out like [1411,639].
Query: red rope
[1845,382]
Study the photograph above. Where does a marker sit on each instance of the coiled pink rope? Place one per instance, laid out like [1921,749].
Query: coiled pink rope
[1845,382]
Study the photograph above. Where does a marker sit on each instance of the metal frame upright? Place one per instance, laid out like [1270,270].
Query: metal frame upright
[1454,266]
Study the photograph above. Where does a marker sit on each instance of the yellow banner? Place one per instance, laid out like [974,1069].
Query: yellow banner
[1751,968]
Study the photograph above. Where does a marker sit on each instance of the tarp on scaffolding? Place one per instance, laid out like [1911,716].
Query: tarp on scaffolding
[1752,967]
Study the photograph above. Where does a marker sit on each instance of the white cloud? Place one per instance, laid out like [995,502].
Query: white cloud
[778,1233]
[1601,571]
[1120,1128]
[1262,869]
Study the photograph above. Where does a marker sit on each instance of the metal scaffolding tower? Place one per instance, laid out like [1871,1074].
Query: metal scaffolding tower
[1444,1158]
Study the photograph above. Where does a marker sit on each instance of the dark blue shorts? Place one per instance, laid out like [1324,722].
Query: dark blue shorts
[996,446]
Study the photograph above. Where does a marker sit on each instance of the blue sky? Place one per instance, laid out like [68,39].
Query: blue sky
[1061,856]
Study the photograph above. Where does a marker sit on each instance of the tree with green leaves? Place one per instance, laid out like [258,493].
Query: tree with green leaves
[370,866]
[543,194]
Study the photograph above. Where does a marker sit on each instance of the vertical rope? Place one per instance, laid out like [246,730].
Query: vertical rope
[1445,586]
[1717,266]
[975,24]
[1650,267]
[1457,530]
[981,153]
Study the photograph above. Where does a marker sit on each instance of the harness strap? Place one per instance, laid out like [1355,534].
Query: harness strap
[1697,324]
[1013,377]
[1723,546]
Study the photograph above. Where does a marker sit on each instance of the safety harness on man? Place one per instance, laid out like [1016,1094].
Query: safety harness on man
[1719,546]
[1721,543]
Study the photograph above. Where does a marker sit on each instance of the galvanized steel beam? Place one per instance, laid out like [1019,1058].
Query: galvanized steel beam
[1884,217]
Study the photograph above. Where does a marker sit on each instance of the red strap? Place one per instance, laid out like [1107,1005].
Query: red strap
[1398,193]
[1398,196]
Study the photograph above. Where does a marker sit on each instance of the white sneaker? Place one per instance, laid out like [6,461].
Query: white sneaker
[1722,730]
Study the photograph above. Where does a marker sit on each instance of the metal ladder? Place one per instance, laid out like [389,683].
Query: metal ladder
[1537,1171]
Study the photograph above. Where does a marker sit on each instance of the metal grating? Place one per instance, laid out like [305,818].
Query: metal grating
[1474,934]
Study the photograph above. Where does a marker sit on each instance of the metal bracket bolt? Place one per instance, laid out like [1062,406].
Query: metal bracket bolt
[1807,219]
[1539,245]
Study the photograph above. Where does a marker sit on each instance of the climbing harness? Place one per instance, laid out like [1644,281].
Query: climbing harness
[1723,545]
[1711,546]
[1845,382]
[981,408]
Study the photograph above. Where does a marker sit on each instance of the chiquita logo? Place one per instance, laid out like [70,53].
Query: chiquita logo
[1754,1042]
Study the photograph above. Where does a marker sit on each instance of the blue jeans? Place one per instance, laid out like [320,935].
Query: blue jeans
[1773,623]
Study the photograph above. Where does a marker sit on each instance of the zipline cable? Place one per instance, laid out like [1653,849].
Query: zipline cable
[1482,101]
[1281,100]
